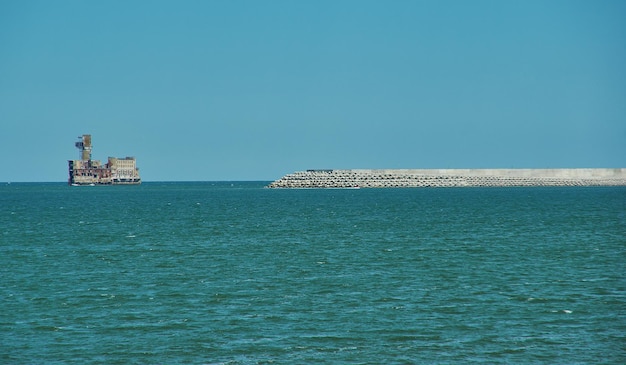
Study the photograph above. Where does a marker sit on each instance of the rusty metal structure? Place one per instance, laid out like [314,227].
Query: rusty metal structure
[85,171]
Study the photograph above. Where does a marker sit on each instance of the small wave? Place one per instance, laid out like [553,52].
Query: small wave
[591,280]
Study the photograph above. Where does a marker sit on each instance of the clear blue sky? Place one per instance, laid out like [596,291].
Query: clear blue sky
[252,90]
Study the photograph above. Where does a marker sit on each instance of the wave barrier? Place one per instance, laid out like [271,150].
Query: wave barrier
[413,178]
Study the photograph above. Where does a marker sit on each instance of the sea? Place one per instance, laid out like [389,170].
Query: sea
[236,273]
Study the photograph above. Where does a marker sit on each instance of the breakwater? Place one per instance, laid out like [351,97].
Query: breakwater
[396,178]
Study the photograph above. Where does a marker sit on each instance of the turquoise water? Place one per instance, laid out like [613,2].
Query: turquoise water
[232,273]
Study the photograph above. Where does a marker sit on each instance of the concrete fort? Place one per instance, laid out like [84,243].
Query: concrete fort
[362,178]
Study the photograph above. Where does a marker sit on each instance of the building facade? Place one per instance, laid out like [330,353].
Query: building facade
[86,171]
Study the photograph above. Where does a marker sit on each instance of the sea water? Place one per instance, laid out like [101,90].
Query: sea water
[233,273]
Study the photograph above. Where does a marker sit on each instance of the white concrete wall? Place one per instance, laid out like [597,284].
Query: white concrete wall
[451,177]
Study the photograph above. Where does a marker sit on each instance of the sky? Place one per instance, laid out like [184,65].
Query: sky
[252,90]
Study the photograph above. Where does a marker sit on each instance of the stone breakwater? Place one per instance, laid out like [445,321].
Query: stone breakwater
[451,178]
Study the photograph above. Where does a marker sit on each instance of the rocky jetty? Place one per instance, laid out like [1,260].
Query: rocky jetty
[450,178]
